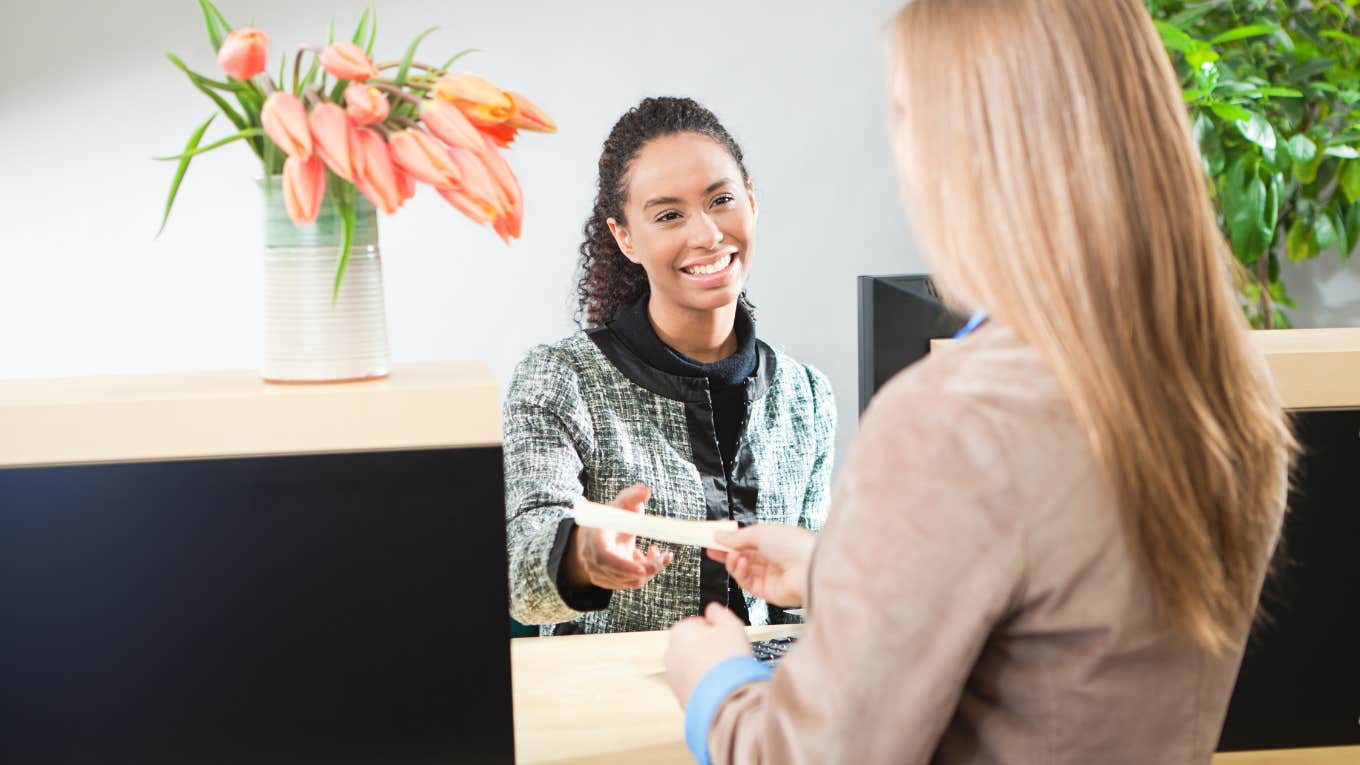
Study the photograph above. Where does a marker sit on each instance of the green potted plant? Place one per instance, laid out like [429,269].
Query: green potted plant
[1273,88]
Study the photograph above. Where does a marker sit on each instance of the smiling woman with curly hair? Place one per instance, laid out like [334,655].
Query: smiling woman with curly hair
[668,394]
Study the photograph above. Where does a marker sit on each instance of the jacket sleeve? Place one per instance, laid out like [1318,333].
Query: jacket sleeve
[547,437]
[824,445]
[918,562]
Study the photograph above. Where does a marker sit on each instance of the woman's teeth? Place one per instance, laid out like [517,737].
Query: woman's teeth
[711,268]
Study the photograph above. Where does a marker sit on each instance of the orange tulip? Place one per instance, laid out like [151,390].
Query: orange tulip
[419,154]
[242,54]
[405,186]
[476,212]
[528,116]
[285,120]
[449,125]
[304,186]
[499,135]
[483,103]
[366,105]
[333,138]
[476,195]
[346,61]
[374,174]
[510,196]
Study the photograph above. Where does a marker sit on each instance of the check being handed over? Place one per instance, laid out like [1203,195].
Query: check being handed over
[698,533]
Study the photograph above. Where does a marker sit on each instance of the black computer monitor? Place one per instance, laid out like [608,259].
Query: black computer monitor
[309,608]
[898,317]
[1297,686]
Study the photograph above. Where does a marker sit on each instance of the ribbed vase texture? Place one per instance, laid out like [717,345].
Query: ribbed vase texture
[307,338]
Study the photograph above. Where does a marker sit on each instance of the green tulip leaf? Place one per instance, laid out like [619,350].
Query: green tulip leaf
[240,122]
[455,58]
[183,168]
[194,152]
[411,54]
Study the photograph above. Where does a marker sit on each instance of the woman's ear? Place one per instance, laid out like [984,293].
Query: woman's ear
[622,238]
[751,195]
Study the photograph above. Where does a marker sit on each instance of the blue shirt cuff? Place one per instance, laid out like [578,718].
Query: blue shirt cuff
[717,684]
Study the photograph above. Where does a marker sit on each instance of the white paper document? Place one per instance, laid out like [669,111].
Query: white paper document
[593,515]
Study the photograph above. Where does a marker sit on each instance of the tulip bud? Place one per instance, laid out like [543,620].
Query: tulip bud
[285,121]
[333,138]
[476,189]
[529,117]
[499,135]
[374,174]
[304,186]
[448,124]
[242,55]
[509,194]
[365,105]
[483,103]
[419,154]
[346,61]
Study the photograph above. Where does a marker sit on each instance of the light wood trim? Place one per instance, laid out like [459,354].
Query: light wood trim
[596,699]
[1312,368]
[1332,755]
[228,414]
[603,700]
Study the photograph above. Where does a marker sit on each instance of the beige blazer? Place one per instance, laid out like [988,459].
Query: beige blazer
[973,598]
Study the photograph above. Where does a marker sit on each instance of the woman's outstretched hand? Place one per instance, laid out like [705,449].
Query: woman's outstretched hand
[612,560]
[769,561]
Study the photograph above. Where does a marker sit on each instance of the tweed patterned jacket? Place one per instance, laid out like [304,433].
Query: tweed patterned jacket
[587,417]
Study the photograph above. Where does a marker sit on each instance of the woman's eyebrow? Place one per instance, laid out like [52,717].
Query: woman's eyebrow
[672,200]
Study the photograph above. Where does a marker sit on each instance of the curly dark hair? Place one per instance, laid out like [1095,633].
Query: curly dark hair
[609,281]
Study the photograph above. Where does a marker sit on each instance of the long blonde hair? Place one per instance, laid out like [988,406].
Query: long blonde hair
[1049,169]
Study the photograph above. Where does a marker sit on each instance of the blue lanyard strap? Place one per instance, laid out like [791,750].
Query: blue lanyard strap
[974,322]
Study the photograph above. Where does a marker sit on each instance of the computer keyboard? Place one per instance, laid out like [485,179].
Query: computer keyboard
[769,652]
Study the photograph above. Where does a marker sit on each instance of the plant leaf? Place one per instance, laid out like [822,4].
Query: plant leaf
[236,119]
[1242,33]
[363,27]
[410,54]
[456,57]
[1173,37]
[1276,92]
[1302,149]
[372,28]
[183,168]
[1324,232]
[1194,13]
[345,205]
[1257,130]
[1344,152]
[249,133]
[1231,112]
[1352,221]
[1298,245]
[216,34]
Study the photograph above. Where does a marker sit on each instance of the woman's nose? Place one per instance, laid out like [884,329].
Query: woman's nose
[706,234]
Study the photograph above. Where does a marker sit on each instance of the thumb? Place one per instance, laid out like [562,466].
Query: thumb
[633,498]
[744,538]
[716,614]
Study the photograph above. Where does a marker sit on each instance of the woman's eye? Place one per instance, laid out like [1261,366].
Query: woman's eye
[667,217]
[724,199]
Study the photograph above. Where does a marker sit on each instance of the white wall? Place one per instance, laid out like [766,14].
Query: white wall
[88,98]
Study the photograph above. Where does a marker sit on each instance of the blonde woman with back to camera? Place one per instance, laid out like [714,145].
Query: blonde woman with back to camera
[1049,538]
